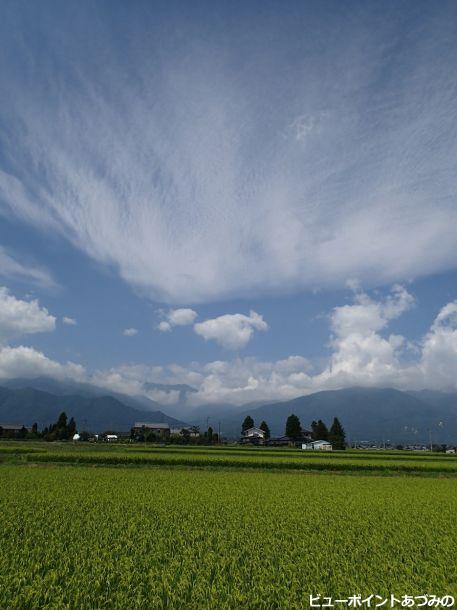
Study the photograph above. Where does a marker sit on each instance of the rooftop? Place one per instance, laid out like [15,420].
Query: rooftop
[151,425]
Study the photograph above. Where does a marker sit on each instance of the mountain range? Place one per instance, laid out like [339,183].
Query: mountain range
[366,414]
[30,401]
[369,414]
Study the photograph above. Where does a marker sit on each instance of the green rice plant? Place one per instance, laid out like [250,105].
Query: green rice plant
[83,538]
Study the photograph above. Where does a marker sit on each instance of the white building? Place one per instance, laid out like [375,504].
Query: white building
[254,433]
[317,446]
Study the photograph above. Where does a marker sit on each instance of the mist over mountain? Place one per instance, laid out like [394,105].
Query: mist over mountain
[366,413]
[91,410]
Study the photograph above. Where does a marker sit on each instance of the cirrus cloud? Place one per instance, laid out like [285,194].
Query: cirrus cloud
[201,176]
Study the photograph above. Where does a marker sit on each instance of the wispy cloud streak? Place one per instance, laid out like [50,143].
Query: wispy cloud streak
[205,162]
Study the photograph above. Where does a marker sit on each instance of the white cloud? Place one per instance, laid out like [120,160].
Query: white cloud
[232,331]
[361,355]
[164,326]
[364,353]
[176,317]
[18,317]
[172,161]
[439,350]
[26,362]
[130,332]
[69,321]
[12,268]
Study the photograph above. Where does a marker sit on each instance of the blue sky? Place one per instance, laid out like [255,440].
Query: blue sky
[271,184]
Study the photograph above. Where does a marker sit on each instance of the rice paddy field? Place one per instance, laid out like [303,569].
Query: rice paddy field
[176,527]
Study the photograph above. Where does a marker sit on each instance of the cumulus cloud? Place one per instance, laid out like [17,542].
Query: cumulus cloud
[27,362]
[232,331]
[18,317]
[170,158]
[176,317]
[364,353]
[439,350]
[130,332]
[69,321]
[361,354]
[13,269]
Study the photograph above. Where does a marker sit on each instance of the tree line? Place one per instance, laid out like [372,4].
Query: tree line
[293,429]
[62,429]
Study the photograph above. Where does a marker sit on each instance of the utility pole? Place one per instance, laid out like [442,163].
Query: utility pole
[219,432]
[430,438]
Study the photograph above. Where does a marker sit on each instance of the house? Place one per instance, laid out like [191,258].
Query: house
[111,438]
[278,441]
[317,446]
[143,429]
[193,432]
[255,436]
[451,450]
[13,430]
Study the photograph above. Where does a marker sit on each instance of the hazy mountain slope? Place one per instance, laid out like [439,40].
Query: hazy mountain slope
[66,388]
[95,413]
[366,414]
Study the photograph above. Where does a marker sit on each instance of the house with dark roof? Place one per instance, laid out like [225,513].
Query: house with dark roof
[148,429]
[253,436]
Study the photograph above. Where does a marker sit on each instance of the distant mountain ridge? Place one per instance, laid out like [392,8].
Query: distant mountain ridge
[373,414]
[366,414]
[95,413]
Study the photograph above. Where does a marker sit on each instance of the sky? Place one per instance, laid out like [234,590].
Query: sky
[257,199]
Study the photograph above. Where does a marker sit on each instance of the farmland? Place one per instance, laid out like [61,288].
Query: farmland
[116,527]
[232,457]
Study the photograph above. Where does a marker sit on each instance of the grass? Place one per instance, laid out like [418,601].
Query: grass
[231,457]
[76,537]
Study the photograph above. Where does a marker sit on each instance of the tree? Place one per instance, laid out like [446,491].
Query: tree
[62,421]
[265,428]
[319,430]
[248,423]
[185,433]
[337,435]
[210,435]
[71,428]
[35,429]
[293,426]
[314,430]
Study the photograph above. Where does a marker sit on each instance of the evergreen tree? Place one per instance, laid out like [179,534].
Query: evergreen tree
[248,423]
[71,428]
[321,431]
[314,430]
[210,435]
[35,429]
[62,421]
[337,436]
[265,428]
[293,426]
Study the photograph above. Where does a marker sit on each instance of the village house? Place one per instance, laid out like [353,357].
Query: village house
[13,430]
[288,441]
[254,436]
[160,430]
[317,446]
